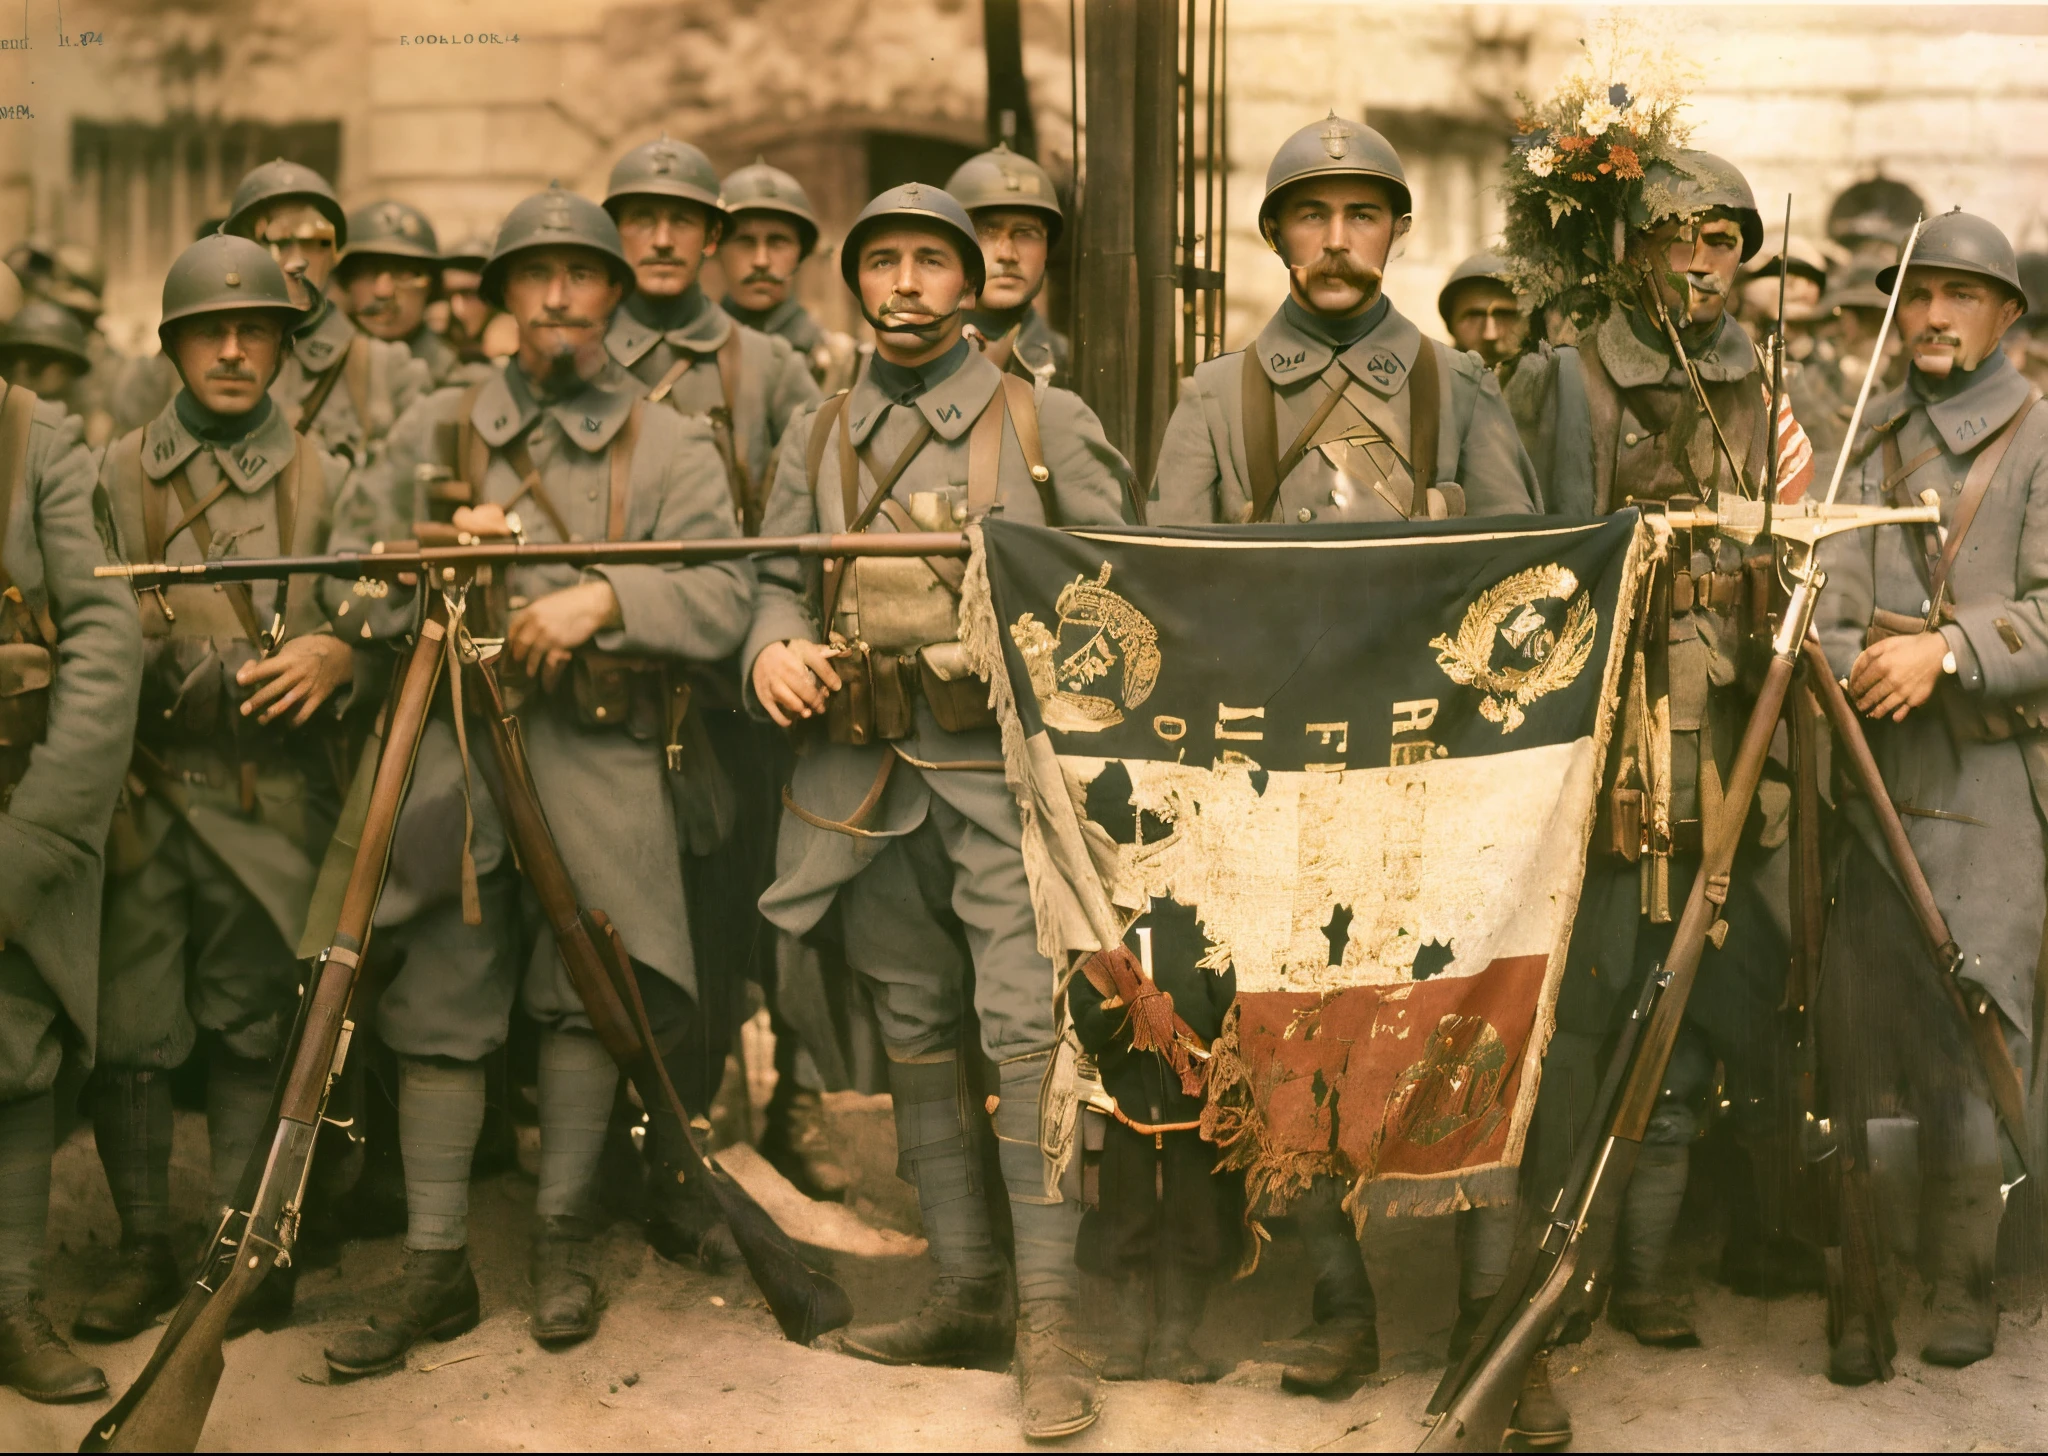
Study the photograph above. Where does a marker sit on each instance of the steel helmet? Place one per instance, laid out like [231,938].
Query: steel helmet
[1878,209]
[1966,243]
[1490,266]
[758,187]
[2034,281]
[469,255]
[554,218]
[1853,287]
[275,181]
[1700,182]
[1003,178]
[42,324]
[922,202]
[1332,147]
[221,274]
[665,167]
[392,230]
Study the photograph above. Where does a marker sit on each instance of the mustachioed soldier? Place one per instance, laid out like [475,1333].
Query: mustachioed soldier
[898,811]
[388,275]
[687,350]
[340,386]
[1016,212]
[210,865]
[770,230]
[1943,638]
[1340,373]
[561,438]
[71,653]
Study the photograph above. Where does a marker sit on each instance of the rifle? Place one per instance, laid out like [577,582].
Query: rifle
[1558,1275]
[166,1407]
[444,563]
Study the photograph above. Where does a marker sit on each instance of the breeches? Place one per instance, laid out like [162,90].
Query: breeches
[184,945]
[31,1028]
[941,909]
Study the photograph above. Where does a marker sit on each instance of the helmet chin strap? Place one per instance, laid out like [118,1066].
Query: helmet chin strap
[925,331]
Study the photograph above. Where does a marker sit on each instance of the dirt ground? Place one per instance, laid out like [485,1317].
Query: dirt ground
[691,1361]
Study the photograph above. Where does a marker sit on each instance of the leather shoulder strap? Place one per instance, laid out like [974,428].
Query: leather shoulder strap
[239,595]
[1975,486]
[285,496]
[821,440]
[1023,409]
[472,454]
[1425,400]
[309,407]
[1261,438]
[17,413]
[985,454]
[356,369]
[623,445]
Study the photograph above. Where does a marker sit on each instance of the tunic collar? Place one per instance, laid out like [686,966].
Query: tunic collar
[1380,361]
[1631,363]
[249,462]
[787,320]
[320,344]
[505,408]
[1974,413]
[950,406]
[630,337]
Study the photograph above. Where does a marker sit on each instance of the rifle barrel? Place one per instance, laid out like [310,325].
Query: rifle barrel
[410,557]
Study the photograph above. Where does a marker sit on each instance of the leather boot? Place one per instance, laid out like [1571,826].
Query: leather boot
[268,1307]
[433,1295]
[1343,1344]
[1852,1360]
[1644,1303]
[797,1143]
[1182,1295]
[964,1322]
[1965,1325]
[1059,1389]
[1470,1313]
[566,1297]
[1129,1330]
[1540,1418]
[1331,1353]
[36,1362]
[141,1283]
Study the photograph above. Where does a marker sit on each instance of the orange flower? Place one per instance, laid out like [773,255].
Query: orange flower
[1576,143]
[1626,163]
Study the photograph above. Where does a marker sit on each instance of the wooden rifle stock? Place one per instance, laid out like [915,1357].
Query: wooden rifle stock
[1980,1015]
[165,1409]
[804,1302]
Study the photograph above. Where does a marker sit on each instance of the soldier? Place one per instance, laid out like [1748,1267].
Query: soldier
[1941,636]
[699,362]
[2026,343]
[44,350]
[71,277]
[1852,312]
[594,660]
[770,229]
[898,812]
[388,276]
[1016,213]
[211,857]
[1482,313]
[71,654]
[1340,372]
[474,330]
[1814,387]
[1647,441]
[338,385]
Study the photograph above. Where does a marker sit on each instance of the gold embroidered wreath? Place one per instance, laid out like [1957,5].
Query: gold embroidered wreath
[1555,661]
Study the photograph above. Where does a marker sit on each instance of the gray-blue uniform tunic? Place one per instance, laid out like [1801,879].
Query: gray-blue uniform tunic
[944,846]
[53,824]
[607,792]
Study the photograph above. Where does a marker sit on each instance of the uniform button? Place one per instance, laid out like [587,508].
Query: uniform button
[1630,438]
[1304,514]
[590,495]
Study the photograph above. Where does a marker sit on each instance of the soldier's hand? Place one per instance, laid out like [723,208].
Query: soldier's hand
[792,679]
[1897,675]
[305,672]
[541,637]
[483,520]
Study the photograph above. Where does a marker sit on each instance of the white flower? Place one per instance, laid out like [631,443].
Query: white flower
[1599,115]
[1542,161]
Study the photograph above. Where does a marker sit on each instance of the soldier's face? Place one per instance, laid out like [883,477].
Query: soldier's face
[387,297]
[1706,255]
[228,359]
[301,238]
[44,373]
[665,240]
[467,311]
[1486,319]
[760,256]
[912,288]
[1014,244]
[1334,234]
[1760,296]
[562,299]
[1952,320]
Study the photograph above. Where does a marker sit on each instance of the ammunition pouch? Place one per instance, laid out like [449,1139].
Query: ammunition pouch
[874,703]
[1969,719]
[896,604]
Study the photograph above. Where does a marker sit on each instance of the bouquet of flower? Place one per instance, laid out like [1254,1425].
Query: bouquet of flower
[1594,159]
